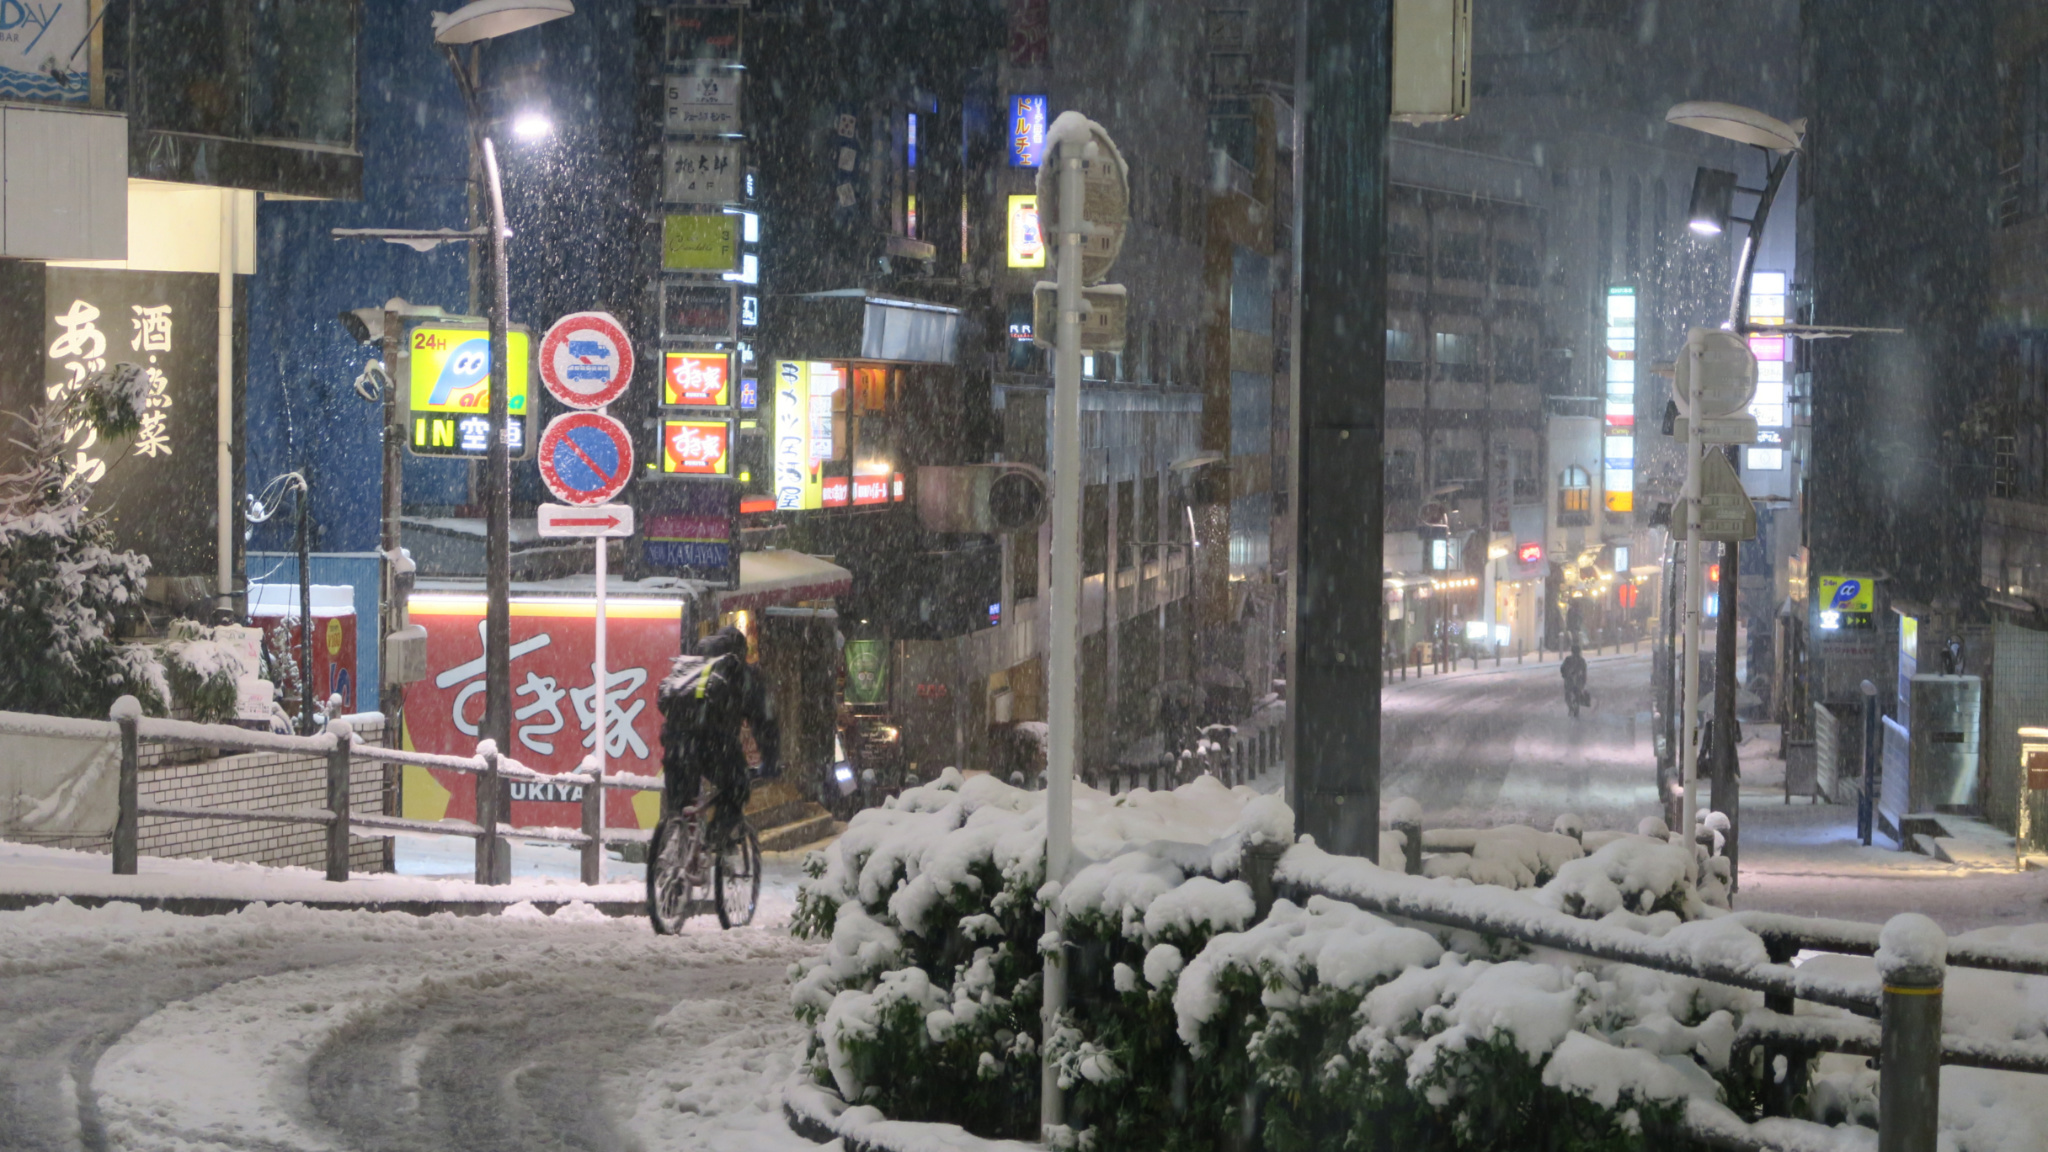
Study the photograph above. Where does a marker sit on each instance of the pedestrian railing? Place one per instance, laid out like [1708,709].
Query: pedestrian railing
[1906,1036]
[339,748]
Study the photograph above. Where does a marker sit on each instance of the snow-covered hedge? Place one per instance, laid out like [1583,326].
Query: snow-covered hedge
[1190,1026]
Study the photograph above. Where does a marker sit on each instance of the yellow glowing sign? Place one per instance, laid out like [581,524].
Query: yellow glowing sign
[708,242]
[1847,594]
[1027,239]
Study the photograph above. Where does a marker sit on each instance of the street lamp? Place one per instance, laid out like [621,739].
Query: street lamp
[473,24]
[1712,197]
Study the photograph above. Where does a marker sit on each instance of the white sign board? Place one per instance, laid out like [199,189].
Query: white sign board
[1727,513]
[1718,430]
[1105,199]
[703,103]
[43,56]
[700,172]
[558,520]
[1727,373]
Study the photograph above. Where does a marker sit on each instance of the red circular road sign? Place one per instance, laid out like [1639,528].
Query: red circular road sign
[585,457]
[586,359]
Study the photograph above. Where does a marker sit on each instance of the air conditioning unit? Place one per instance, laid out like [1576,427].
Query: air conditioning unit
[986,498]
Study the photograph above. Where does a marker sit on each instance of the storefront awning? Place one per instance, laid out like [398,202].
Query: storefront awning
[779,577]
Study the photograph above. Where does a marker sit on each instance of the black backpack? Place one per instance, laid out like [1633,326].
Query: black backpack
[702,694]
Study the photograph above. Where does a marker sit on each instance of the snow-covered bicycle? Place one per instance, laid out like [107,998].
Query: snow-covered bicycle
[684,870]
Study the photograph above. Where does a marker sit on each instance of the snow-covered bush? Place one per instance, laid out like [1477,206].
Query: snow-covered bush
[1190,1026]
[204,677]
[61,585]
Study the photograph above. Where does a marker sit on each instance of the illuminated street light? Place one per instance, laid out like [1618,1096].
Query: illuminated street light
[1713,201]
[531,126]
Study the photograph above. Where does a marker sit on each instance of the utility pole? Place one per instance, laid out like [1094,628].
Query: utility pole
[1334,762]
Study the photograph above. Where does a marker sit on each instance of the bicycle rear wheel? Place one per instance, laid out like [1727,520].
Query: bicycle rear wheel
[737,878]
[669,894]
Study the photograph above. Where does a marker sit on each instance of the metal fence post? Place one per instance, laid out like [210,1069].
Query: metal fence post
[1781,1093]
[1259,862]
[593,823]
[487,814]
[1909,1050]
[1411,843]
[337,798]
[127,712]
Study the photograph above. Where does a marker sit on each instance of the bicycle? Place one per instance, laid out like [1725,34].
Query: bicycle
[678,859]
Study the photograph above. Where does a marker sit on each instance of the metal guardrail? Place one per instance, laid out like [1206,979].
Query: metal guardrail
[340,747]
[1906,1037]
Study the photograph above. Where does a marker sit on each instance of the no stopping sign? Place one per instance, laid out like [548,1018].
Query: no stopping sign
[585,457]
[586,359]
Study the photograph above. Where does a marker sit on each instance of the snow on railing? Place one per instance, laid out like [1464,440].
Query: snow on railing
[339,747]
[1742,950]
[1308,870]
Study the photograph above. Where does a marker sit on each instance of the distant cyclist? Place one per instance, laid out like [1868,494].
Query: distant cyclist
[1573,669]
[703,704]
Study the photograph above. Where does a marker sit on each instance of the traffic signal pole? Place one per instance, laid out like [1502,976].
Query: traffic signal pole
[1339,421]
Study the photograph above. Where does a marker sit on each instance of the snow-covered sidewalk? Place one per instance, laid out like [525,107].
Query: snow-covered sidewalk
[286,1028]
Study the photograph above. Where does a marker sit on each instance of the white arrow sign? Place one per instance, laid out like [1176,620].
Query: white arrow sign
[602,520]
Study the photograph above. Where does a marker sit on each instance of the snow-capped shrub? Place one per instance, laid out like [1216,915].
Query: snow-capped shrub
[61,585]
[1191,1024]
[204,677]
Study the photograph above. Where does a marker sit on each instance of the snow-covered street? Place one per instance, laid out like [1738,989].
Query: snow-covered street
[1496,746]
[284,1028]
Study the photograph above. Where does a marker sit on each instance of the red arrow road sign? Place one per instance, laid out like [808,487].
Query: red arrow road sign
[606,520]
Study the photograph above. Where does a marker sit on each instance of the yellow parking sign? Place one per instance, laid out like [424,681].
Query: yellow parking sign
[449,388]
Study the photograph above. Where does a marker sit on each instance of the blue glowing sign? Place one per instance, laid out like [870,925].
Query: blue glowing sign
[1027,131]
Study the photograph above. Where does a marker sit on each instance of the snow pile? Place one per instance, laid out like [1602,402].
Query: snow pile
[1647,874]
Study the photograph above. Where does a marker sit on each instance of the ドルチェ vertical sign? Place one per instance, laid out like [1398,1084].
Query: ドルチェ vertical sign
[586,359]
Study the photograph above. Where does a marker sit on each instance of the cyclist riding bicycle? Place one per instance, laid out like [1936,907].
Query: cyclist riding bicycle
[703,704]
[1573,669]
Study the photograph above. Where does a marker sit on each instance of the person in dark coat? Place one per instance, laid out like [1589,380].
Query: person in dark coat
[1573,669]
[702,708]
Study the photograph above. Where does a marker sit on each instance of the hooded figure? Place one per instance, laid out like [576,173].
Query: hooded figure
[703,705]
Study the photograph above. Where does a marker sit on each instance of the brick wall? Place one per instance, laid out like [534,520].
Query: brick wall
[259,781]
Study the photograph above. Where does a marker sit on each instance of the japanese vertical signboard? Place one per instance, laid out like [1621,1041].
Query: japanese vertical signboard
[557,717]
[708,249]
[164,323]
[1027,131]
[804,392]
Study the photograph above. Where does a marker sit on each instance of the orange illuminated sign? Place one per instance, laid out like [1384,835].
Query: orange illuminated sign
[696,379]
[696,447]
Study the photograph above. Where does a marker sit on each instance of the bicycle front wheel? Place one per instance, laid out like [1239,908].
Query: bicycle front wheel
[668,876]
[737,874]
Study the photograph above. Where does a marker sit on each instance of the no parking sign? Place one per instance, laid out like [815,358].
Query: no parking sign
[585,457]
